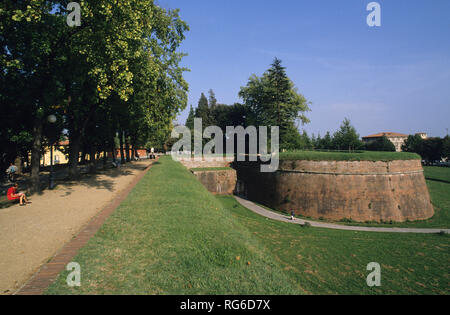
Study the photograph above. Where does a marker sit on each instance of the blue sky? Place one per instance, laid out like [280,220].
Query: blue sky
[392,78]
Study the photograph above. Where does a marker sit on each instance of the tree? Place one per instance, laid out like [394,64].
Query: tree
[346,138]
[383,144]
[432,149]
[190,119]
[203,111]
[273,100]
[118,72]
[212,99]
[413,144]
[327,142]
[293,139]
[446,147]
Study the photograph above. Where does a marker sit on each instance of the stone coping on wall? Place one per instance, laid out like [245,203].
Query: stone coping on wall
[349,168]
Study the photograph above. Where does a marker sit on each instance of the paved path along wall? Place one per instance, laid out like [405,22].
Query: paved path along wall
[336,190]
[279,217]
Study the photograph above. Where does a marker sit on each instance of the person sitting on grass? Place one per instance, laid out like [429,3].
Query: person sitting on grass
[13,195]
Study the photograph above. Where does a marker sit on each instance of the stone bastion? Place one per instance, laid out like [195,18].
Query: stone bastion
[357,190]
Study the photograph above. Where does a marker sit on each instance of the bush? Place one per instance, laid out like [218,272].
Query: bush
[383,144]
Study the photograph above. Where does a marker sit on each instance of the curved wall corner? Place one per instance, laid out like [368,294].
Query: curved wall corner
[336,190]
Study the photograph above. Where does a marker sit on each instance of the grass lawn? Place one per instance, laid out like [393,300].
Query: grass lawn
[346,156]
[170,236]
[4,202]
[439,174]
[334,262]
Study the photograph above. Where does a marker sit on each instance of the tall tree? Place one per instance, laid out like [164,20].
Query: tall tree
[327,142]
[414,143]
[203,111]
[212,99]
[190,119]
[273,100]
[346,138]
[446,147]
[96,74]
[383,144]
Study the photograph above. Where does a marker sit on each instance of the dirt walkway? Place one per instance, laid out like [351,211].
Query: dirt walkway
[31,235]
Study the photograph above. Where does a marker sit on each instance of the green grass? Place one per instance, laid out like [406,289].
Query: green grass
[435,173]
[334,262]
[170,236]
[346,156]
[211,169]
[4,202]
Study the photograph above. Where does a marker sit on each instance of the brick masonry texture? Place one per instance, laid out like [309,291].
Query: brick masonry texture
[218,182]
[336,190]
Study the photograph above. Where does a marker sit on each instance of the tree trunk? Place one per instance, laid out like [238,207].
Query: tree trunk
[122,155]
[133,150]
[74,152]
[92,161]
[127,148]
[113,149]
[105,156]
[36,155]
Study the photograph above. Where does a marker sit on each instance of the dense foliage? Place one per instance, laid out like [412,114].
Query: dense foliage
[431,149]
[118,75]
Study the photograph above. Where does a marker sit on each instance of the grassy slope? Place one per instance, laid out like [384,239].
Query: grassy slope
[345,156]
[334,262]
[170,236]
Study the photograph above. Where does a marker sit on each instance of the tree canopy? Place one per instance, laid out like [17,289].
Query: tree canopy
[273,100]
[116,75]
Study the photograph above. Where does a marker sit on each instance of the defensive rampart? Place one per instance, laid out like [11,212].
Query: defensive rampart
[336,190]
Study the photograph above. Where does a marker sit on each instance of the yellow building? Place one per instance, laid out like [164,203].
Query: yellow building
[398,139]
[58,155]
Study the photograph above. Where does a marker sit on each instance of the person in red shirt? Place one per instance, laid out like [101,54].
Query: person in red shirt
[13,195]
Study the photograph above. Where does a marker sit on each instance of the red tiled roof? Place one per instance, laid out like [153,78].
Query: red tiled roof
[387,134]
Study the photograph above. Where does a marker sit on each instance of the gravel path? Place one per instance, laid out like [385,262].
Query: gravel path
[30,235]
[278,217]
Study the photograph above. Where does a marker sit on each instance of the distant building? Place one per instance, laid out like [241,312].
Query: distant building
[423,135]
[398,139]
[59,156]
